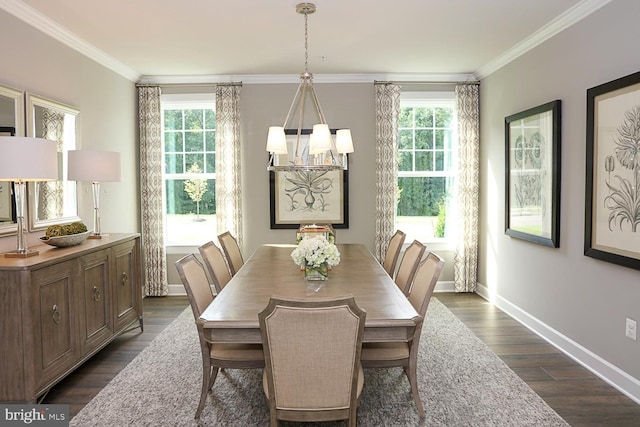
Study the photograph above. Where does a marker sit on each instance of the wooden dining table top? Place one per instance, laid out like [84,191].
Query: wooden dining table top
[270,271]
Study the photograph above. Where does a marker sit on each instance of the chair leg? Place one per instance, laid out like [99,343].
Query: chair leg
[209,374]
[412,375]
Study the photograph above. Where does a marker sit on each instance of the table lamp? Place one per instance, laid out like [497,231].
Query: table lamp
[26,159]
[94,166]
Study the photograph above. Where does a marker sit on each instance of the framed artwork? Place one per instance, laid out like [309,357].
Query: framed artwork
[532,174]
[7,210]
[612,200]
[303,197]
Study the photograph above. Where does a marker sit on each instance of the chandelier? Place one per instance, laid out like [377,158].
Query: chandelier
[319,149]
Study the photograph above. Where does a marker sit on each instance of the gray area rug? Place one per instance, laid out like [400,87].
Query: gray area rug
[462,383]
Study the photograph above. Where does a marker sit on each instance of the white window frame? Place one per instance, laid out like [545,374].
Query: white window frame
[182,101]
[433,99]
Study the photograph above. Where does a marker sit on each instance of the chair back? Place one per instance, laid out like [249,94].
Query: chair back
[393,252]
[231,251]
[196,283]
[216,265]
[312,358]
[424,282]
[409,265]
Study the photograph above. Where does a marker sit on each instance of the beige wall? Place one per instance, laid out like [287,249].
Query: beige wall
[35,63]
[583,301]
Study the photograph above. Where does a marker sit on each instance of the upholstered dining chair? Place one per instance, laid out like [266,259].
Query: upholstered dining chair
[231,252]
[216,265]
[405,354]
[393,252]
[214,356]
[408,266]
[312,359]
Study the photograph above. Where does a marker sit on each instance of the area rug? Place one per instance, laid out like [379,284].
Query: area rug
[462,383]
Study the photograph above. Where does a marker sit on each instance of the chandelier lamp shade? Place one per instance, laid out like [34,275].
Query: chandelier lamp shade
[26,159]
[94,166]
[320,151]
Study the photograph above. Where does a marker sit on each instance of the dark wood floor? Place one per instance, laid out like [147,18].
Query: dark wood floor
[580,397]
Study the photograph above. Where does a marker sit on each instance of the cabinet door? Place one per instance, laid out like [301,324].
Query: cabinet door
[56,343]
[96,327]
[127,292]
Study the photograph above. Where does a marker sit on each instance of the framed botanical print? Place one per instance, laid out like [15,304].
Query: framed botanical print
[532,174]
[612,199]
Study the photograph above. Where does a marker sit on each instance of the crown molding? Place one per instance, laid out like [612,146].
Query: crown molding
[40,22]
[560,23]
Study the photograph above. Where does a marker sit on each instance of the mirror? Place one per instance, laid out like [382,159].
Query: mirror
[11,124]
[52,202]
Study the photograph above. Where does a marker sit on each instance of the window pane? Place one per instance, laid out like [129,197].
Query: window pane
[405,161]
[193,119]
[421,196]
[210,119]
[424,161]
[444,117]
[194,158]
[439,161]
[210,144]
[173,163]
[172,119]
[424,117]
[424,139]
[405,120]
[405,139]
[173,142]
[211,163]
[194,141]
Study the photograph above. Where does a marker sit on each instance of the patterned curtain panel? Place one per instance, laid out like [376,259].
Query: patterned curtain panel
[228,190]
[466,252]
[151,163]
[51,194]
[387,98]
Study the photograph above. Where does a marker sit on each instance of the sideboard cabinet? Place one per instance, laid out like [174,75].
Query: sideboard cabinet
[60,307]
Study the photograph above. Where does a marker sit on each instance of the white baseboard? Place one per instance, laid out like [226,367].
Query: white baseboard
[611,374]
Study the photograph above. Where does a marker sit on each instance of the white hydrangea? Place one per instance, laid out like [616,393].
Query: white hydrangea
[314,251]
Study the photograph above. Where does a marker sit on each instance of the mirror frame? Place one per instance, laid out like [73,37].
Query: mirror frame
[18,103]
[33,101]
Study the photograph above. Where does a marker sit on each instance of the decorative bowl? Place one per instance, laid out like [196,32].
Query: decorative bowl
[66,241]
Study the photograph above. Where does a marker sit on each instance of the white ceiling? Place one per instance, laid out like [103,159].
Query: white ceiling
[197,38]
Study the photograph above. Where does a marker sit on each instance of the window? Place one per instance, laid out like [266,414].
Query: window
[188,138]
[427,165]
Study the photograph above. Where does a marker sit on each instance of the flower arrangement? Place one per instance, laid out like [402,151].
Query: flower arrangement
[314,252]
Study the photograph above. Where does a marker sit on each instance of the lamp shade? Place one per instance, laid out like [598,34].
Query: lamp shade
[321,137]
[28,159]
[94,166]
[276,140]
[344,143]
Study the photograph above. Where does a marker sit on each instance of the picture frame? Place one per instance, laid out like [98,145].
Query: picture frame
[306,197]
[532,174]
[7,206]
[612,211]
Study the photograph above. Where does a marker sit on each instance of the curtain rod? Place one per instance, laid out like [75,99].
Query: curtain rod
[188,84]
[418,82]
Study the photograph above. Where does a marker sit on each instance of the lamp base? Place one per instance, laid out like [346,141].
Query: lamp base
[25,254]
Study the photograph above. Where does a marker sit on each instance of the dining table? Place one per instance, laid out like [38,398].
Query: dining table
[232,316]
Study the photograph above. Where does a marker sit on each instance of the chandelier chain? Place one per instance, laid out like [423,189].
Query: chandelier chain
[306,44]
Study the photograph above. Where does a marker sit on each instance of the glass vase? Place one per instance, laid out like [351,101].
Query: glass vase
[312,273]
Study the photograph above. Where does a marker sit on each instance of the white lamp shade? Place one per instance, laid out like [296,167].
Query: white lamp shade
[344,143]
[93,166]
[321,137]
[313,148]
[276,140]
[28,159]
